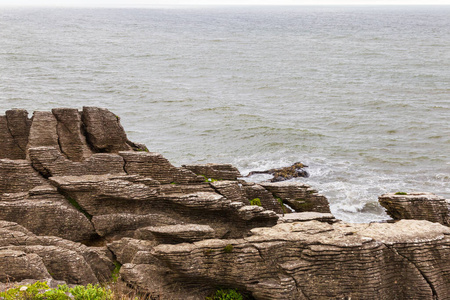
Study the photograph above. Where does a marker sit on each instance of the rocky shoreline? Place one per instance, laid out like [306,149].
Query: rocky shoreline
[77,198]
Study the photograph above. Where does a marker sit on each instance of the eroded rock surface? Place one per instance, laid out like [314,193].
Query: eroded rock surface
[76,196]
[418,206]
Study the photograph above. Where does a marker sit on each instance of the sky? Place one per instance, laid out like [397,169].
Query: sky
[157,3]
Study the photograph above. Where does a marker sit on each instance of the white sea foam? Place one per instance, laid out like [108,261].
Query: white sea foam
[358,94]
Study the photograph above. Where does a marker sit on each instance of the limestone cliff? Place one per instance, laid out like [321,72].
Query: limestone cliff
[76,196]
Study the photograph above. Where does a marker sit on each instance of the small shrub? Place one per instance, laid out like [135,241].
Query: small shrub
[228,248]
[41,291]
[115,273]
[255,201]
[226,294]
[401,193]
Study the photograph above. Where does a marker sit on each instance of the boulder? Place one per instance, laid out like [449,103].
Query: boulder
[417,206]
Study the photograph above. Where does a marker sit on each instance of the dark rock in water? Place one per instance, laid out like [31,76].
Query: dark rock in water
[76,194]
[280,174]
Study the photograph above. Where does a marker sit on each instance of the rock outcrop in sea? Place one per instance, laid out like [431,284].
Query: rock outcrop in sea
[78,198]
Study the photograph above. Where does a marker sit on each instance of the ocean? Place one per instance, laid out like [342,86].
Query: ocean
[359,94]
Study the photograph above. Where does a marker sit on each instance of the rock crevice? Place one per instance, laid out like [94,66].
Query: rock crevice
[76,195]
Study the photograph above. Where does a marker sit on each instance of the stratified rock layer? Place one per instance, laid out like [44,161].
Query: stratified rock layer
[418,206]
[76,196]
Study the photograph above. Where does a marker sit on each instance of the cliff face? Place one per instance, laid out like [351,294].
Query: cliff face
[76,195]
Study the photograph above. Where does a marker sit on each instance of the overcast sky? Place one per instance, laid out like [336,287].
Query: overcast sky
[153,3]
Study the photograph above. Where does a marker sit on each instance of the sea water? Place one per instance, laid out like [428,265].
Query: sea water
[359,94]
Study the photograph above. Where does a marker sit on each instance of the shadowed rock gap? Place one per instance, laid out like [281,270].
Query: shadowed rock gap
[172,231]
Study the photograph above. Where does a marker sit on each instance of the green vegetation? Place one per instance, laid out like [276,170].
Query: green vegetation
[280,201]
[79,208]
[255,201]
[209,179]
[41,291]
[226,294]
[401,193]
[116,271]
[228,248]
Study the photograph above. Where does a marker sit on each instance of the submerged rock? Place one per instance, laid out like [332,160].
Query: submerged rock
[285,173]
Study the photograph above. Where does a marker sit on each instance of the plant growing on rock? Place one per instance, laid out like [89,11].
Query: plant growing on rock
[226,294]
[228,248]
[256,201]
[401,193]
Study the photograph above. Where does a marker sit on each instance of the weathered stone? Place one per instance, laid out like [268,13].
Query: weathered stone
[307,216]
[266,198]
[300,196]
[120,225]
[417,206]
[17,265]
[18,176]
[49,161]
[186,188]
[103,130]
[127,249]
[215,171]
[109,194]
[314,260]
[232,190]
[14,131]
[45,212]
[40,257]
[71,138]
[154,165]
[173,234]
[43,131]
[284,173]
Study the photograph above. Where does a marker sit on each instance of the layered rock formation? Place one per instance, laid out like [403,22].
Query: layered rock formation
[417,206]
[77,197]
